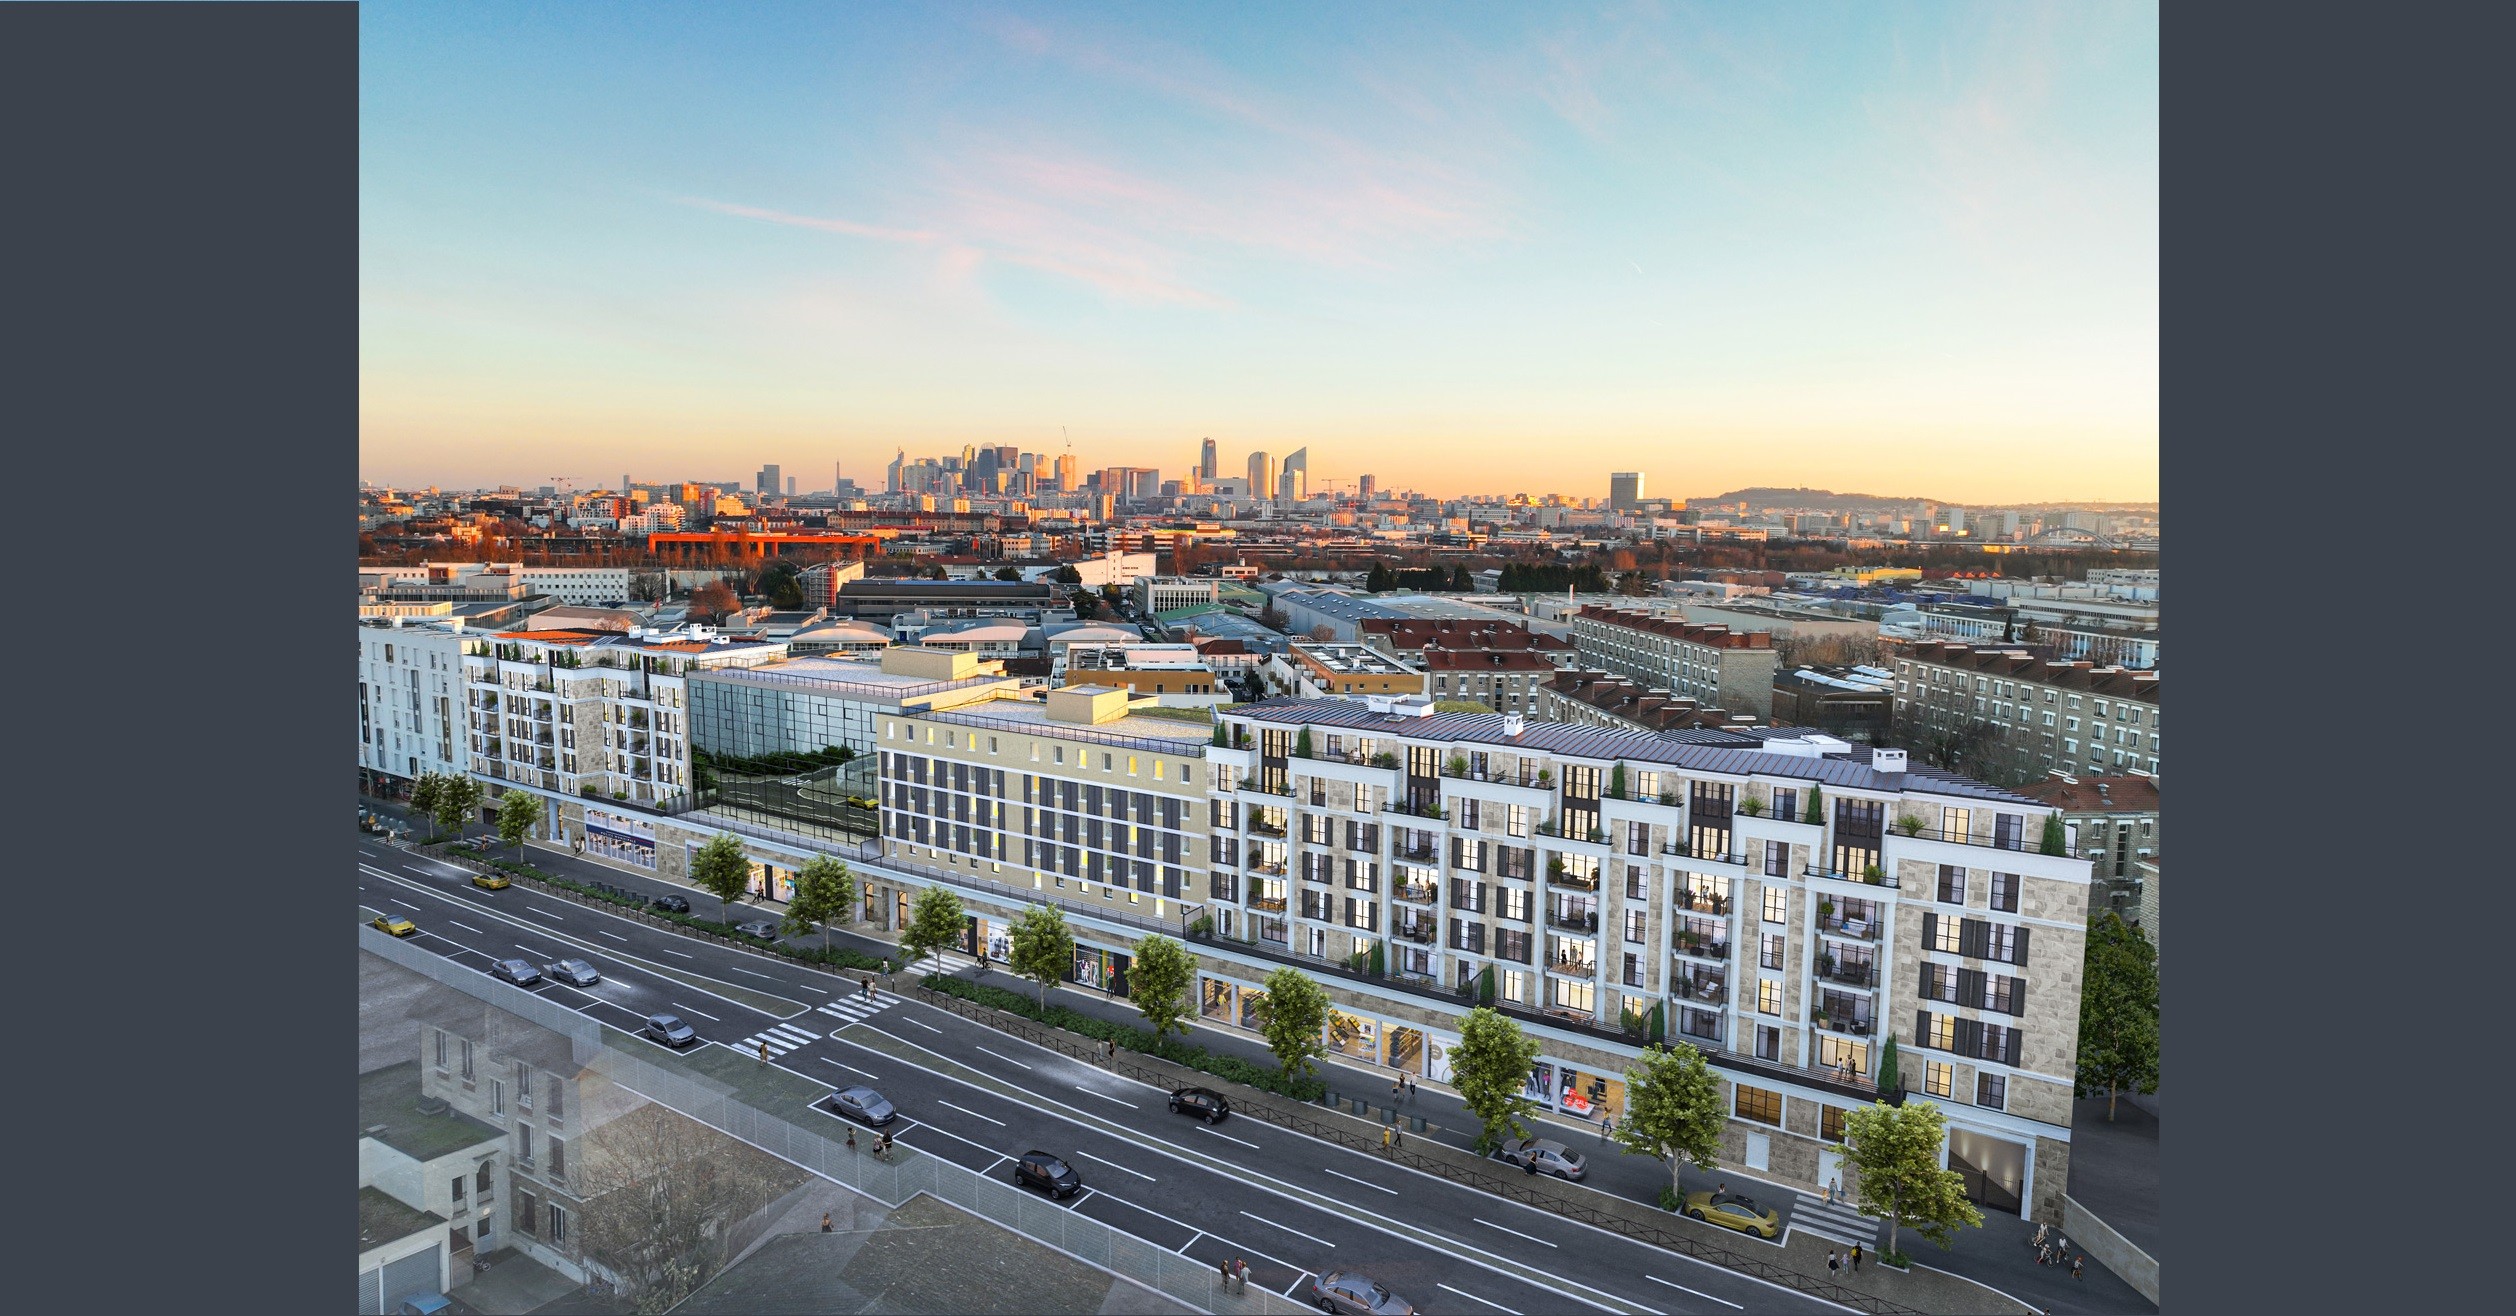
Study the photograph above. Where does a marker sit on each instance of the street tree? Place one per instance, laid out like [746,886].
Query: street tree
[824,892]
[936,920]
[2118,1012]
[457,797]
[722,869]
[517,813]
[1043,949]
[1295,1020]
[1490,1068]
[1894,1155]
[1673,1111]
[660,1197]
[713,601]
[1160,980]
[424,799]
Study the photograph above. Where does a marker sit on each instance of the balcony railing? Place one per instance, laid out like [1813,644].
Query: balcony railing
[1571,922]
[1264,828]
[1421,895]
[1271,904]
[1851,973]
[1700,991]
[2027,841]
[1428,809]
[1557,830]
[1422,854]
[1710,950]
[1854,1025]
[1262,866]
[1422,934]
[1573,968]
[1854,929]
[1705,854]
[1883,877]
[1565,877]
[1702,902]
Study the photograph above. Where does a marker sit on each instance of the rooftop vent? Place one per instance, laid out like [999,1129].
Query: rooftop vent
[1887,760]
[1514,724]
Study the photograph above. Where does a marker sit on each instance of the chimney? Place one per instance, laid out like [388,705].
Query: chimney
[1887,760]
[1514,724]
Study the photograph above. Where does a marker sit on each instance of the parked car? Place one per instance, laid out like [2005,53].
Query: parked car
[1204,1103]
[1038,1169]
[1546,1155]
[671,904]
[575,973]
[393,923]
[1733,1211]
[669,1030]
[1346,1293]
[863,1105]
[762,930]
[491,881]
[520,972]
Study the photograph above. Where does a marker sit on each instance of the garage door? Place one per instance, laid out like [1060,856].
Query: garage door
[370,1292]
[416,1273]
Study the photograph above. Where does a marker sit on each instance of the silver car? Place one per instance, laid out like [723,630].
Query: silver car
[575,973]
[520,972]
[1345,1293]
[1545,1156]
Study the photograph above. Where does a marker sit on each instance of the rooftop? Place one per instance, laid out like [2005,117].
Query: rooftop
[1350,659]
[2016,663]
[389,1111]
[1029,716]
[1406,633]
[1498,660]
[1718,637]
[382,1219]
[841,676]
[1607,745]
[2127,793]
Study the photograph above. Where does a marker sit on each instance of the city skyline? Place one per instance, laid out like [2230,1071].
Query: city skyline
[1912,250]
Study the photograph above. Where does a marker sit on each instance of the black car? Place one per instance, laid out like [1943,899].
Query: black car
[670,904]
[763,930]
[1344,1293]
[575,973]
[520,972]
[669,1030]
[1204,1103]
[863,1105]
[1038,1169]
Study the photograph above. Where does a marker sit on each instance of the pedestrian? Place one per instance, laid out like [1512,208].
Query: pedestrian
[2061,1249]
[2042,1232]
[1830,1192]
[1225,1267]
[1719,1190]
[1386,1137]
[1831,1263]
[851,1138]
[1856,1258]
[868,980]
[764,1051]
[825,1222]
[1607,1129]
[2075,1264]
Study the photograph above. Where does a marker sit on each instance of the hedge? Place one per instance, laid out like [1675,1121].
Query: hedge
[1184,1054]
[836,956]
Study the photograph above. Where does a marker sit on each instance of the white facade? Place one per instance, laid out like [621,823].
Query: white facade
[582,586]
[410,699]
[1163,593]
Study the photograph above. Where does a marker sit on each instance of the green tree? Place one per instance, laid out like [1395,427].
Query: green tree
[1673,1110]
[1816,811]
[1301,744]
[1380,581]
[1043,950]
[457,798]
[936,920]
[824,893]
[2118,1012]
[1007,573]
[1490,1068]
[1160,980]
[723,870]
[2053,841]
[1295,1020]
[517,812]
[1461,581]
[1067,575]
[1888,1079]
[1894,1155]
[424,799]
[1616,783]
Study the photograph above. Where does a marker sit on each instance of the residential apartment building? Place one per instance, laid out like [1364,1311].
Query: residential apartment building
[1175,675]
[521,1082]
[2039,715]
[1709,664]
[1505,680]
[1163,593]
[2115,821]
[410,701]
[1850,703]
[1596,699]
[1783,908]
[582,586]
[1314,668]
[427,1178]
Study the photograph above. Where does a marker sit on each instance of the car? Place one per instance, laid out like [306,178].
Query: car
[1038,1169]
[669,1030]
[1546,1156]
[863,1105]
[393,923]
[1204,1103]
[520,972]
[491,881]
[762,930]
[670,904]
[575,973]
[1347,1293]
[1733,1211]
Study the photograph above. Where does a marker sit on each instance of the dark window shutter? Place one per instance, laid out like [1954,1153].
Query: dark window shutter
[2017,998]
[1921,1027]
[2010,1055]
[1969,1037]
[2021,958]
[1970,938]
[1930,931]
[1970,988]
[1926,980]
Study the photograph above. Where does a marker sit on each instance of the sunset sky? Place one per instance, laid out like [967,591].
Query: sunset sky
[1466,249]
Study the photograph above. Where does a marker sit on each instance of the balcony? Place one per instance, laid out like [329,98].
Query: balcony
[1701,947]
[1271,869]
[1421,893]
[1850,929]
[1850,973]
[1557,831]
[1557,875]
[1423,854]
[1702,902]
[1428,809]
[1573,920]
[1271,904]
[1845,1022]
[1422,934]
[1258,827]
[1875,876]
[1697,987]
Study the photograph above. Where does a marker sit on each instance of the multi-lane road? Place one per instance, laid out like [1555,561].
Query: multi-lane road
[1289,1205]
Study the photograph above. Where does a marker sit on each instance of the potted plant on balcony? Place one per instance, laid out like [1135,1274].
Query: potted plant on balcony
[1751,806]
[1873,875]
[1456,767]
[1825,909]
[1301,744]
[1384,759]
[1816,811]
[1668,797]
[1687,939]
[1546,777]
[1910,824]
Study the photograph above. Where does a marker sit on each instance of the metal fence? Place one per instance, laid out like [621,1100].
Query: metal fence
[891,1180]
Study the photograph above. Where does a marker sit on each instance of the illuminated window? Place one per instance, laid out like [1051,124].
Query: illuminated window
[1938,1079]
[1769,996]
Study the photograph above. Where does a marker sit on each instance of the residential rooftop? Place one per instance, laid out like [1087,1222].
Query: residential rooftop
[1029,716]
[2126,793]
[382,1219]
[390,1111]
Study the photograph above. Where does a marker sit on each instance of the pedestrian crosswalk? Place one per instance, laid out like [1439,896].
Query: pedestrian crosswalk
[1837,1221]
[856,1008]
[849,1009]
[778,1039]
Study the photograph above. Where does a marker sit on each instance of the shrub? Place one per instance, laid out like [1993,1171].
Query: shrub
[836,956]
[1185,1054]
[1669,1200]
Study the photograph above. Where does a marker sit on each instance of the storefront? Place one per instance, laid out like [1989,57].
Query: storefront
[1253,1008]
[1403,1049]
[770,882]
[1575,1093]
[1354,1036]
[1101,970]
[1219,1001]
[619,839]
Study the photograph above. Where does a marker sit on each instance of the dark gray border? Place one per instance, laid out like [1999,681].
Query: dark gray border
[180,212]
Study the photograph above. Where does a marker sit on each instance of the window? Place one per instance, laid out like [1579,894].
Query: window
[523,1144]
[1786,803]
[2005,891]
[1758,1104]
[523,1086]
[497,1097]
[558,1158]
[1952,885]
[467,1058]
[441,1050]
[1769,950]
[1938,1032]
[1830,1123]
[1777,859]
[1946,935]
[1635,922]
[1991,1091]
[527,1210]
[1769,996]
[558,1223]
[1939,983]
[1768,1042]
[1777,905]
[1938,1079]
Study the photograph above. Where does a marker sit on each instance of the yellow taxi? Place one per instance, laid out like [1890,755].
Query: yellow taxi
[490,881]
[394,924]
[1733,1211]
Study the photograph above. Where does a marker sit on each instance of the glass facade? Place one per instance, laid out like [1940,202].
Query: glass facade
[793,757]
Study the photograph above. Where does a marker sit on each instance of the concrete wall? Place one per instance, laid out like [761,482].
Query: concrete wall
[2112,1250]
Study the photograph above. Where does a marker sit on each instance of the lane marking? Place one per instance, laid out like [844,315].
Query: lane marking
[850,1068]
[701,1013]
[613,935]
[814,990]
[674,953]
[1294,1232]
[1006,1058]
[466,927]
[1697,1292]
[739,969]
[1229,1138]
[1297,1283]
[1487,1301]
[1365,1182]
[1106,1097]
[971,1113]
[404,904]
[1120,1168]
[991,1169]
[542,955]
[545,914]
[1513,1232]
[1182,1249]
[1081,1197]
[928,1027]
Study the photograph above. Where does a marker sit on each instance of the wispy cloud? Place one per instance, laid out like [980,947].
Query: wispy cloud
[850,227]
